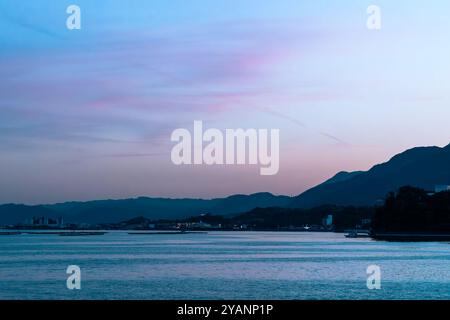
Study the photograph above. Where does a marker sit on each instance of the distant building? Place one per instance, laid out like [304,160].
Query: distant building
[194,225]
[45,222]
[327,222]
[441,188]
[200,225]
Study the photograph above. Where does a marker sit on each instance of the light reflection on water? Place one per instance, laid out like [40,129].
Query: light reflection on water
[221,265]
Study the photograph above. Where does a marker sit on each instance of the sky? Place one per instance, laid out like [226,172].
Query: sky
[88,114]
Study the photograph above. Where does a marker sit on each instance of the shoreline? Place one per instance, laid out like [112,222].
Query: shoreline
[387,236]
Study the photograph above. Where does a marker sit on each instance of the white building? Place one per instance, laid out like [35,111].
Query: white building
[441,188]
[328,221]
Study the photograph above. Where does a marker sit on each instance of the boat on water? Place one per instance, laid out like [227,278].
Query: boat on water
[10,233]
[358,234]
[81,233]
[66,233]
[166,233]
[42,232]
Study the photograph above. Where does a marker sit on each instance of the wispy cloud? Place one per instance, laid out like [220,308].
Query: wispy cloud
[135,81]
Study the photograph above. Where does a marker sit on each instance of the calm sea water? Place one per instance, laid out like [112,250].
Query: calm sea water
[221,265]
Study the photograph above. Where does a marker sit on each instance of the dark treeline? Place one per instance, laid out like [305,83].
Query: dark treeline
[413,210]
[283,218]
[407,210]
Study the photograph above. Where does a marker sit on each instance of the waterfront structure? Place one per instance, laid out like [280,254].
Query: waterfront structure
[441,188]
[327,222]
[45,222]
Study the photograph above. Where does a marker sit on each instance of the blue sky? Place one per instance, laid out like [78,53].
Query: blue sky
[87,114]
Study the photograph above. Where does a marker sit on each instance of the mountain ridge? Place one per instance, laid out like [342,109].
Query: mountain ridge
[111,211]
[422,167]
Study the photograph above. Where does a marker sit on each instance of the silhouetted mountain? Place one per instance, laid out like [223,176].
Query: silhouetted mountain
[113,211]
[422,167]
[342,176]
[14,213]
[242,203]
[276,218]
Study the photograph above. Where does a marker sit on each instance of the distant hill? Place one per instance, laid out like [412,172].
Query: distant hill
[342,176]
[113,211]
[423,167]
[14,213]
